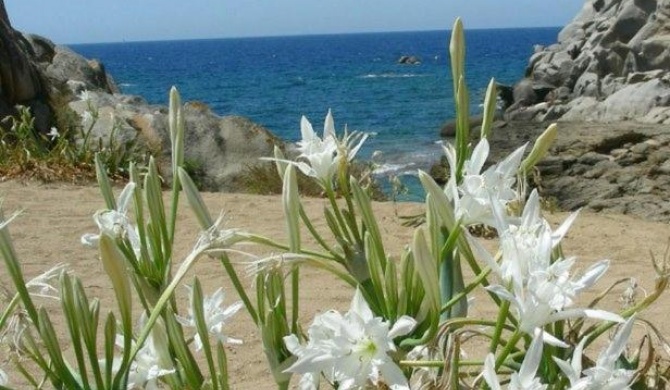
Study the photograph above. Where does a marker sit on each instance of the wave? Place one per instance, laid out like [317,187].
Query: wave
[388,169]
[391,75]
[126,85]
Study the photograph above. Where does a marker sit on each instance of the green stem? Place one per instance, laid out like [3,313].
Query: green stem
[238,287]
[502,314]
[295,295]
[313,231]
[508,348]
[338,214]
[467,290]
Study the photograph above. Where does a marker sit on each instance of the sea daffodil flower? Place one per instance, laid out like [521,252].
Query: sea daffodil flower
[350,349]
[320,156]
[525,379]
[116,223]
[548,295]
[526,243]
[148,365]
[605,374]
[472,197]
[216,317]
[42,284]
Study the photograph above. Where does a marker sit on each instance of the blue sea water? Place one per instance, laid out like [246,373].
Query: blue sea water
[276,80]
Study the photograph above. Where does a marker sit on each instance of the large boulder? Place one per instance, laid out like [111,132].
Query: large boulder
[217,149]
[609,45]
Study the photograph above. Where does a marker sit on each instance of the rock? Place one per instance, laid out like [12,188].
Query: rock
[67,66]
[221,147]
[20,81]
[608,46]
[409,60]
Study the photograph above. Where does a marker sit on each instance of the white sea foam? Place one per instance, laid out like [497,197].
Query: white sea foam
[391,168]
[391,75]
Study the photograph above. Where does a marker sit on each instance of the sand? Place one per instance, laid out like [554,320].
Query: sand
[56,215]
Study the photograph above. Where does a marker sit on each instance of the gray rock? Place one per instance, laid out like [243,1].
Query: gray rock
[609,45]
[220,147]
[67,65]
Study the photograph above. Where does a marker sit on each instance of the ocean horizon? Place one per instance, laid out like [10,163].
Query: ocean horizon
[275,80]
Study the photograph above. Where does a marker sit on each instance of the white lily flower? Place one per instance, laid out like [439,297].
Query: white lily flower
[526,243]
[472,198]
[604,375]
[320,153]
[548,295]
[216,316]
[525,379]
[146,369]
[116,223]
[44,283]
[320,156]
[53,134]
[216,238]
[85,95]
[350,349]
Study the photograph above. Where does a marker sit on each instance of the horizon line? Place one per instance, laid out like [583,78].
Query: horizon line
[302,35]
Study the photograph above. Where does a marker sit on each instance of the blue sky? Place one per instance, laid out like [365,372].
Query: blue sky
[81,21]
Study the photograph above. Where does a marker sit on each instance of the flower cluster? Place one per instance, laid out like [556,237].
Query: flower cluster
[351,349]
[216,317]
[319,157]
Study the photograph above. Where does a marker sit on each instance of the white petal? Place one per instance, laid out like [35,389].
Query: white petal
[511,163]
[562,230]
[393,376]
[90,239]
[567,370]
[306,130]
[551,340]
[490,372]
[292,344]
[125,197]
[478,157]
[360,306]
[329,126]
[532,360]
[531,211]
[402,326]
[593,274]
[611,354]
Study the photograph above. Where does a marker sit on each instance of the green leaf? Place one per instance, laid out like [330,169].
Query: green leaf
[490,102]
[195,200]
[201,327]
[291,203]
[103,183]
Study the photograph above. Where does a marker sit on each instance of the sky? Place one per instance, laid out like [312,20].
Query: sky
[87,21]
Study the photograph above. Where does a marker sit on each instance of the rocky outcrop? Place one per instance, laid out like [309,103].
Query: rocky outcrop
[621,167]
[217,149]
[20,79]
[409,60]
[611,63]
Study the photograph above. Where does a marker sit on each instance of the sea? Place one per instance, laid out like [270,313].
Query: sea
[274,81]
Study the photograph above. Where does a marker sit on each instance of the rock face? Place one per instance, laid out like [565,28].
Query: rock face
[621,167]
[216,149]
[20,79]
[611,63]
